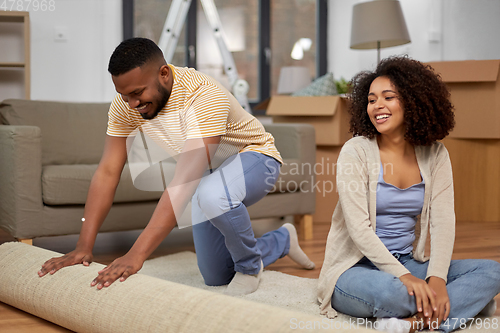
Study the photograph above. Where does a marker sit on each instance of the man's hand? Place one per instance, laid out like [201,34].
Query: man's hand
[442,301]
[72,258]
[121,269]
[424,295]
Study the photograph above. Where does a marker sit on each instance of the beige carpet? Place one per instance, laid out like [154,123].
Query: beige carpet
[276,289]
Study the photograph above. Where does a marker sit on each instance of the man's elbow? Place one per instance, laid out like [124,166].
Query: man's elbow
[106,173]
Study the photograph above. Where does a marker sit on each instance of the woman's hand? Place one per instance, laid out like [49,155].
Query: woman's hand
[72,258]
[424,295]
[120,268]
[442,301]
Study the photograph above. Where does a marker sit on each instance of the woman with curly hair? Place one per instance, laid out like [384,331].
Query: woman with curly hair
[395,186]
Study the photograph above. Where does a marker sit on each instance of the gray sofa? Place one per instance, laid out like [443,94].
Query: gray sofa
[50,150]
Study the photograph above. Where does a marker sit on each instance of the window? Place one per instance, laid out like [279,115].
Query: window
[261,36]
[149,18]
[239,19]
[293,38]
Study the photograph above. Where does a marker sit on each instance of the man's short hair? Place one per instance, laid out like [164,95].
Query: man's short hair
[133,53]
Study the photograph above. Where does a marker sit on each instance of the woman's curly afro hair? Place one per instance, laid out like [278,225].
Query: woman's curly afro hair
[428,112]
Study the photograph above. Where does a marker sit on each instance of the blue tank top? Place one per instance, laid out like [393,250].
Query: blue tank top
[397,211]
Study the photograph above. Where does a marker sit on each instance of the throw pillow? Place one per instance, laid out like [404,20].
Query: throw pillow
[322,86]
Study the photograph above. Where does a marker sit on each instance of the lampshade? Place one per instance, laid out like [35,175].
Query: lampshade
[378,24]
[293,78]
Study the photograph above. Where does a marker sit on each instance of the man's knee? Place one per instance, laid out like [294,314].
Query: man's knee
[217,280]
[212,203]
[213,277]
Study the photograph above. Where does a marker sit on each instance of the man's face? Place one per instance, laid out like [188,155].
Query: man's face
[143,90]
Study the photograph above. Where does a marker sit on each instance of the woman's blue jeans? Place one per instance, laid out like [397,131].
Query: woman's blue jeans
[222,230]
[365,291]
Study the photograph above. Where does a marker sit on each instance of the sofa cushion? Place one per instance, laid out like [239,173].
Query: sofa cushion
[64,140]
[69,185]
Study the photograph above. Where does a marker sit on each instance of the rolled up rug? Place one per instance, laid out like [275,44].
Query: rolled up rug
[140,304]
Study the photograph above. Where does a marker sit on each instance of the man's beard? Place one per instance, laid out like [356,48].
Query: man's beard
[160,103]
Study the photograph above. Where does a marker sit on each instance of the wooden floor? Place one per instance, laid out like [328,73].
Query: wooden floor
[473,240]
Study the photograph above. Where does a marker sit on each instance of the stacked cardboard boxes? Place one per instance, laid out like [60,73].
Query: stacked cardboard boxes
[474,144]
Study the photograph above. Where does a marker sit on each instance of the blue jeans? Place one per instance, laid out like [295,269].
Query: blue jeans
[365,291]
[224,241]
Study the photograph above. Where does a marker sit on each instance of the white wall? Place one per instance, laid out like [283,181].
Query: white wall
[464,29]
[75,69]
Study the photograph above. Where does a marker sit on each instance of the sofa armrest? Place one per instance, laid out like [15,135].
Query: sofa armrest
[20,176]
[294,141]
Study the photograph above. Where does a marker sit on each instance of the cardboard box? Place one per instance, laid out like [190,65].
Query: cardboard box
[476,179]
[328,114]
[475,93]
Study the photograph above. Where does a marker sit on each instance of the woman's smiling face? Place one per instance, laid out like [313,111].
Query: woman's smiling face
[384,108]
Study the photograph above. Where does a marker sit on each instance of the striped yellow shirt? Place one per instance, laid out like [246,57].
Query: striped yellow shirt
[198,107]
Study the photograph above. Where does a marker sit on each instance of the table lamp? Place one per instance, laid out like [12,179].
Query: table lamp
[378,24]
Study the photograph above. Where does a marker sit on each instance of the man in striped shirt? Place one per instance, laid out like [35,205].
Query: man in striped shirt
[225,162]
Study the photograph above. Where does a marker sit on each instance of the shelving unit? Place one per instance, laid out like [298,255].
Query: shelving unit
[22,18]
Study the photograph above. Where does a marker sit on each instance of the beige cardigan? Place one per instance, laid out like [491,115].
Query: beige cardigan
[352,233]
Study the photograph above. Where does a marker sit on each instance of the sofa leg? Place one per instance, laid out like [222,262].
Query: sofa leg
[26,241]
[304,224]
